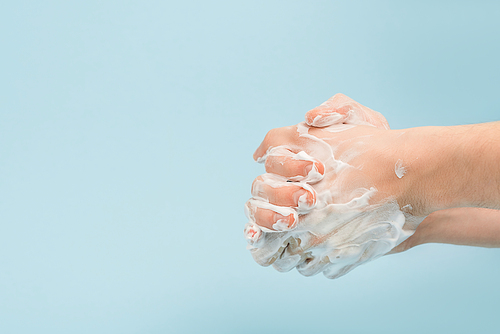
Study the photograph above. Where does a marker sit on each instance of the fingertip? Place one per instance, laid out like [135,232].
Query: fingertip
[266,145]
[255,184]
[284,223]
[314,172]
[305,200]
[260,155]
[328,113]
[325,119]
[320,167]
[311,115]
[256,155]
[270,216]
[253,233]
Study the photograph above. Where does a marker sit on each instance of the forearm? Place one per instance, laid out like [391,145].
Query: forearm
[455,166]
[453,178]
[484,152]
[460,226]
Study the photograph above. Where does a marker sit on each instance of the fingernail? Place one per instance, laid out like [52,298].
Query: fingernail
[327,119]
[297,197]
[305,201]
[283,223]
[313,175]
[307,169]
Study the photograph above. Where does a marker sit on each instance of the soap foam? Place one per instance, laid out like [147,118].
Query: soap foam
[399,169]
[284,151]
[333,236]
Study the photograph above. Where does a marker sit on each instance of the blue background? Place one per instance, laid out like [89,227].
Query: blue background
[127,130]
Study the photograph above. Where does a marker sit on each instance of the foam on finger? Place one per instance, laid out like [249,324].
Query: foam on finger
[343,230]
[327,119]
[280,225]
[312,176]
[278,182]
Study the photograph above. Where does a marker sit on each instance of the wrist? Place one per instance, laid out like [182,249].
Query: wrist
[437,167]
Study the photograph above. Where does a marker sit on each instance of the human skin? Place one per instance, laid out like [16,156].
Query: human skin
[446,168]
[459,226]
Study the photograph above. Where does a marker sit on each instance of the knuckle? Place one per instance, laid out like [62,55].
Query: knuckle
[258,180]
[271,134]
[269,163]
[277,133]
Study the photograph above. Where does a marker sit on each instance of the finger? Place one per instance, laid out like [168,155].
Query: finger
[276,191]
[273,220]
[328,113]
[294,166]
[269,216]
[270,248]
[276,137]
[313,265]
[253,233]
[342,261]
[342,109]
[292,255]
[361,115]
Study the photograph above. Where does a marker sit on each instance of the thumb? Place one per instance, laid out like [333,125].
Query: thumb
[341,109]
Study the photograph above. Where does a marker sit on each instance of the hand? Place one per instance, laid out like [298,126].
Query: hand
[460,226]
[343,204]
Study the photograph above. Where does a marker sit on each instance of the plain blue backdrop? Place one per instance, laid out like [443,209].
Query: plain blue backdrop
[127,130]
